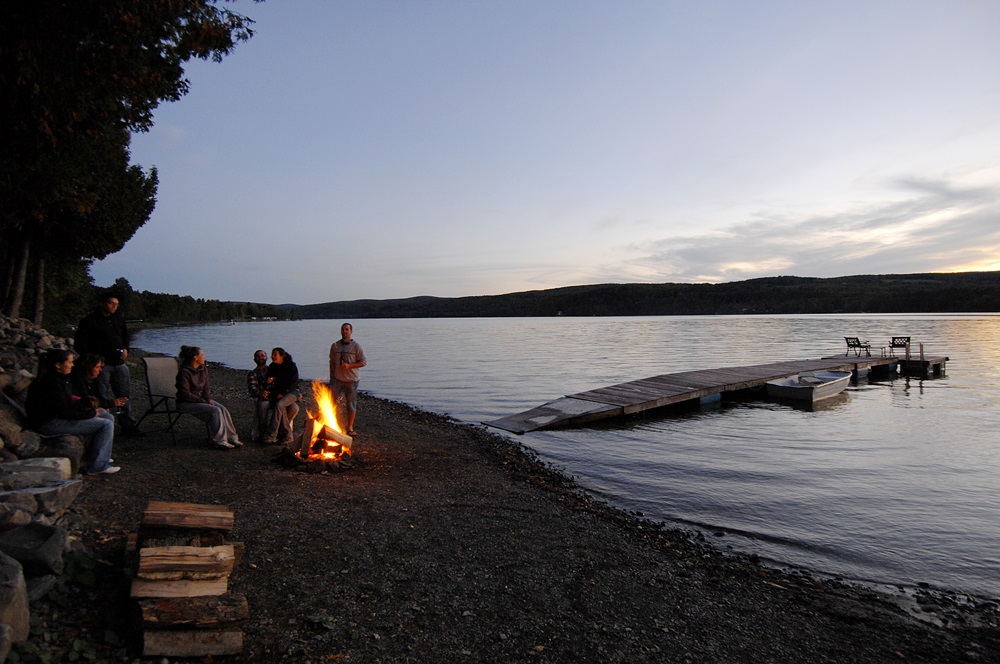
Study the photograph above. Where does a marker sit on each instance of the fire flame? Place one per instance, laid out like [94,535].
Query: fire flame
[324,419]
[327,415]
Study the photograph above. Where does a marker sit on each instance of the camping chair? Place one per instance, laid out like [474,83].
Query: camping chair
[161,383]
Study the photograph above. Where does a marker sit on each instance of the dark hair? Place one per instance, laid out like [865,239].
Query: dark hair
[106,295]
[188,353]
[87,363]
[49,361]
[281,351]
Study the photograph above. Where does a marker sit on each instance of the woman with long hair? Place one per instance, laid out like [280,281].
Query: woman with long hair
[283,392]
[194,396]
[53,409]
[86,382]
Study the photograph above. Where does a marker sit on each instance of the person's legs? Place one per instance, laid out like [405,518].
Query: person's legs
[226,419]
[262,415]
[285,410]
[351,402]
[277,424]
[210,414]
[337,394]
[101,431]
[120,382]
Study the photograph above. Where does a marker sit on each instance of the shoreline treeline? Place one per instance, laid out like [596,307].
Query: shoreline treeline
[887,293]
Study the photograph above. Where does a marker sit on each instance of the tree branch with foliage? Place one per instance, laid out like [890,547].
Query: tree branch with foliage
[77,77]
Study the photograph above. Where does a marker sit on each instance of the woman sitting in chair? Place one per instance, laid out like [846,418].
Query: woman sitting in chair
[53,409]
[195,397]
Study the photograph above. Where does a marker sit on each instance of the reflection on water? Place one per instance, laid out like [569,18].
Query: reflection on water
[898,482]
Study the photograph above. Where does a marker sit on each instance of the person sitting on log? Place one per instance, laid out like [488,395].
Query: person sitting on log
[283,392]
[53,409]
[257,387]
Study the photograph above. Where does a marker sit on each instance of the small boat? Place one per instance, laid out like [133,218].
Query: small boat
[227,321]
[811,387]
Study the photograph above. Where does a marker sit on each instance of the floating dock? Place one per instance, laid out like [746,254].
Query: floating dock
[658,391]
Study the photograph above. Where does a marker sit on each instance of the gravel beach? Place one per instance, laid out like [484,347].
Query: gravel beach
[447,543]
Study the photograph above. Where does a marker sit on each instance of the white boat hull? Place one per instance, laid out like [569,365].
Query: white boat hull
[809,387]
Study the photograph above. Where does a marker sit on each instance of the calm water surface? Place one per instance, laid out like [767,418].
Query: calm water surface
[897,484]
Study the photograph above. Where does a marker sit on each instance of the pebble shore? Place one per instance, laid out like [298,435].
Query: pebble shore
[445,542]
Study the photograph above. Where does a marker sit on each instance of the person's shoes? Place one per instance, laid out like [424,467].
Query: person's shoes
[236,443]
[222,446]
[110,470]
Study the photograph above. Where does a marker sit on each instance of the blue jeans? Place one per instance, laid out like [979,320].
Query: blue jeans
[119,382]
[101,429]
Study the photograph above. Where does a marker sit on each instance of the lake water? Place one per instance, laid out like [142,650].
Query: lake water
[898,484]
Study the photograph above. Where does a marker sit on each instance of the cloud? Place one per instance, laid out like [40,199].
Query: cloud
[938,226]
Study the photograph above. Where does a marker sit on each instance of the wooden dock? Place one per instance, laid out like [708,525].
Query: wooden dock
[658,391]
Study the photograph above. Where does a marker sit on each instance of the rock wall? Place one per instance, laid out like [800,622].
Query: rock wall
[39,479]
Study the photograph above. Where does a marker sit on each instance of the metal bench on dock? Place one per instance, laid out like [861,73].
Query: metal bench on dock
[855,344]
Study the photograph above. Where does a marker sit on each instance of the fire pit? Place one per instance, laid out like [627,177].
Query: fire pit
[323,446]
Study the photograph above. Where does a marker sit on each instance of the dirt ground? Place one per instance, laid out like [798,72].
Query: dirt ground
[447,543]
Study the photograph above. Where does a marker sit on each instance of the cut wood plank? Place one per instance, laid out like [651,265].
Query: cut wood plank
[180,588]
[161,514]
[194,612]
[186,562]
[172,537]
[192,643]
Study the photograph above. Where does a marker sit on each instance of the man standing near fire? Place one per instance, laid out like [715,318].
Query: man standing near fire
[346,357]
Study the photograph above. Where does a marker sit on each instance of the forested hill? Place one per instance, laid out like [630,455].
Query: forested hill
[890,293]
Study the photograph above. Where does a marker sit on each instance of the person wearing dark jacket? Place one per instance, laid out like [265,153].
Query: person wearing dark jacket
[283,392]
[86,382]
[195,396]
[103,332]
[53,409]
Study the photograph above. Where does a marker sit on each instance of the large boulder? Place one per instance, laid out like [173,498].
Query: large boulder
[52,500]
[70,447]
[26,473]
[16,509]
[13,598]
[39,548]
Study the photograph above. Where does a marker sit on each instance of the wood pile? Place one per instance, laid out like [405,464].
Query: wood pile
[182,564]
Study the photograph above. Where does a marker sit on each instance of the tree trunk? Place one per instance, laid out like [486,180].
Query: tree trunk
[20,277]
[39,291]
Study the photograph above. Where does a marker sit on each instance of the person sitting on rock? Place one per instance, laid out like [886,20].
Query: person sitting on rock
[53,409]
[86,382]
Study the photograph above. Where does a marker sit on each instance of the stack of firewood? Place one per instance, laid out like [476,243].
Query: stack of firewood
[181,583]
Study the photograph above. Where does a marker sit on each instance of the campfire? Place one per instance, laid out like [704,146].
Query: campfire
[324,445]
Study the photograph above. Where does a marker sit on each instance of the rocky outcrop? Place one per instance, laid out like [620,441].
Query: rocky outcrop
[38,482]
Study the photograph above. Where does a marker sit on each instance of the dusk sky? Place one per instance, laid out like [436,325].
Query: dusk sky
[384,149]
